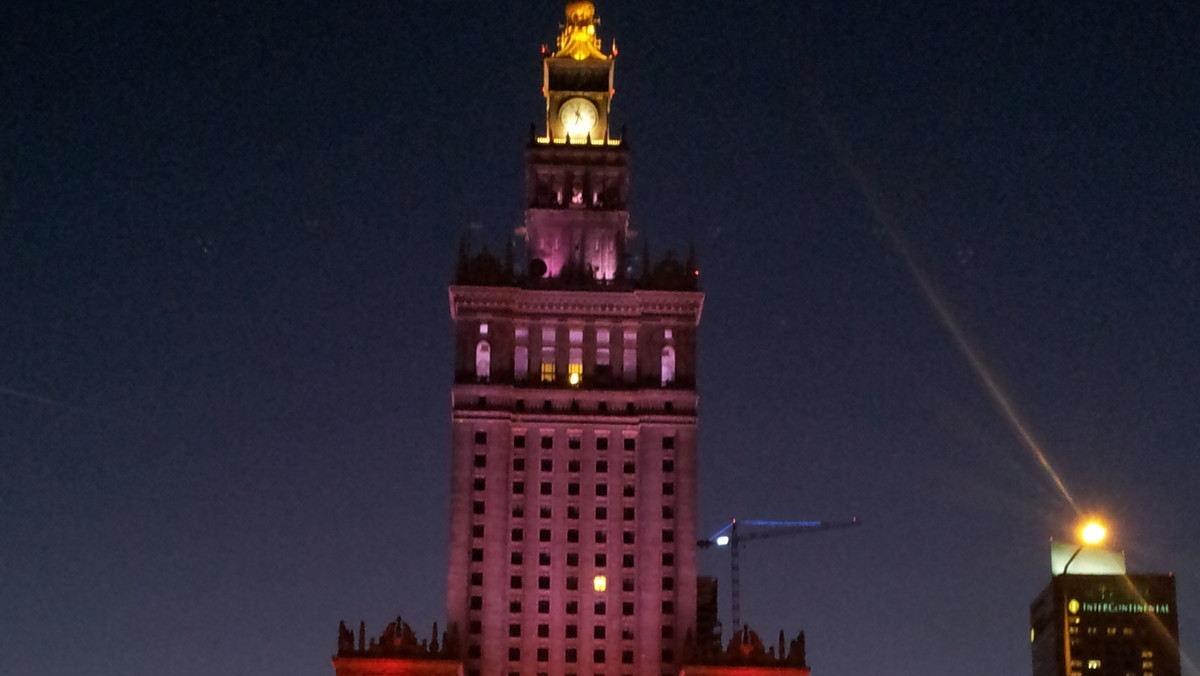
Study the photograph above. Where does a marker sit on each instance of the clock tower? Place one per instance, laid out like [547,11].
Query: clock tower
[576,225]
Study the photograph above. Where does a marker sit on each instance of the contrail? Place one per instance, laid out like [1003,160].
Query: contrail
[28,396]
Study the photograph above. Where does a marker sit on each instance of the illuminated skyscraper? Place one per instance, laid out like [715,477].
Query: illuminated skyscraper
[573,480]
[1099,621]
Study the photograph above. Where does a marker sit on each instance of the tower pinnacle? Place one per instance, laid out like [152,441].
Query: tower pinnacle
[578,39]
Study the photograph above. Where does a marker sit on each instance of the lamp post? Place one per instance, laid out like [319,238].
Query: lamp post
[1092,533]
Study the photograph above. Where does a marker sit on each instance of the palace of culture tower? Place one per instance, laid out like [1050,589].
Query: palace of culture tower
[572,538]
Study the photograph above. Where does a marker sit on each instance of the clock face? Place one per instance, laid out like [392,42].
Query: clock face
[578,116]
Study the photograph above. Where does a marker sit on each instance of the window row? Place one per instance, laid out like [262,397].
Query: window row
[479,507]
[569,631]
[572,582]
[547,488]
[602,355]
[573,442]
[572,607]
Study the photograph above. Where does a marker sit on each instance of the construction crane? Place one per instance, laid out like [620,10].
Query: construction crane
[730,536]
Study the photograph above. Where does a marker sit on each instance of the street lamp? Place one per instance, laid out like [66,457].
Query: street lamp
[1092,533]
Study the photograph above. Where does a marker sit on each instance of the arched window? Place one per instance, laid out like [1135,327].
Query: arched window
[668,365]
[483,360]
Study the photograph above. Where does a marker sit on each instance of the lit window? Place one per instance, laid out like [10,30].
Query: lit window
[600,583]
[574,371]
[668,366]
[629,361]
[629,356]
[483,360]
[483,329]
[548,369]
[521,362]
[1093,664]
[603,350]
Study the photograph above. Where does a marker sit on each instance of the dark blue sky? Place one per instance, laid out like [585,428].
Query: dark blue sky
[226,232]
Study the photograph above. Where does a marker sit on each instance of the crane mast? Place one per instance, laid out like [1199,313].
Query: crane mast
[730,536]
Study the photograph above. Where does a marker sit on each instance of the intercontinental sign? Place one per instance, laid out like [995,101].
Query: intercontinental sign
[1075,606]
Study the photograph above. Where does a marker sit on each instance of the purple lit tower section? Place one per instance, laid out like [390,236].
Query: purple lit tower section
[573,479]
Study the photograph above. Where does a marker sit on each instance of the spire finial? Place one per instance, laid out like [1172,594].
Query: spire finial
[578,39]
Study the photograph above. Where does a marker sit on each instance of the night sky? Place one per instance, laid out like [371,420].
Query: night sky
[227,231]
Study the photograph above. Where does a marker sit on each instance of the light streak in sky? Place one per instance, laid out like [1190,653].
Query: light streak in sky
[43,400]
[894,237]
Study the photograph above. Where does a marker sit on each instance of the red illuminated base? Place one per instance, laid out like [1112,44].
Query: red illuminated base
[394,666]
[706,670]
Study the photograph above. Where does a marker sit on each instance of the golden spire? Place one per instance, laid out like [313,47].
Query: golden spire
[578,39]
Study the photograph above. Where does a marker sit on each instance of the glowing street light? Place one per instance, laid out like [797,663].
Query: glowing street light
[722,540]
[1093,532]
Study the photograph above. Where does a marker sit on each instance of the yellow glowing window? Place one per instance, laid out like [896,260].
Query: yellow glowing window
[600,583]
[1093,664]
[547,373]
[1147,653]
[574,374]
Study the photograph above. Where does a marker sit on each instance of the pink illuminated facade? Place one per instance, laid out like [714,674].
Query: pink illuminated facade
[573,484]
[573,540]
